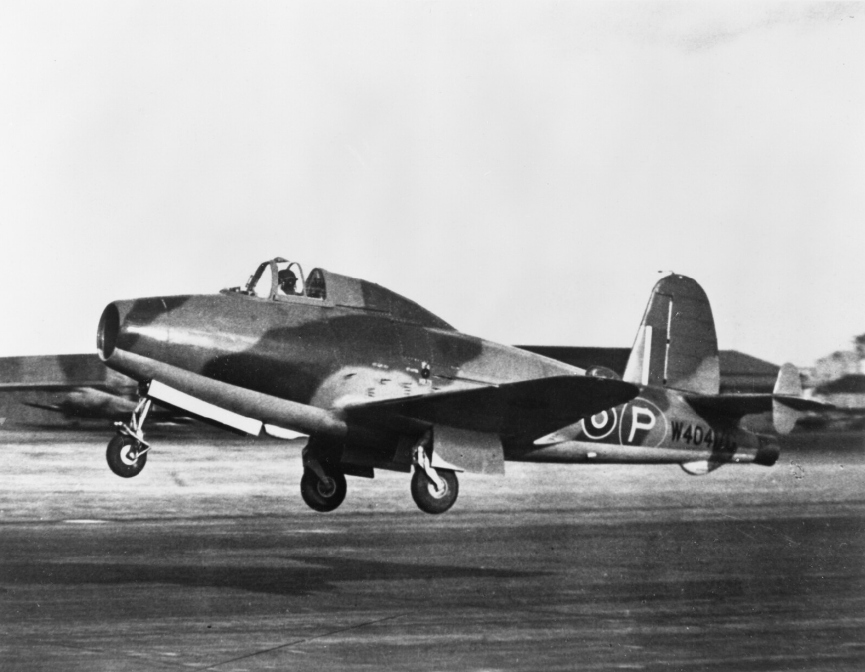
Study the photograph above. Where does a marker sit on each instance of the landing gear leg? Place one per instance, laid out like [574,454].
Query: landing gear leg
[433,490]
[127,452]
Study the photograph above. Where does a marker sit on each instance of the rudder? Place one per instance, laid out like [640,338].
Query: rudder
[676,345]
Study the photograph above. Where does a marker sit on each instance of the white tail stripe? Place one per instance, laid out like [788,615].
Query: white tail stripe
[669,328]
[647,355]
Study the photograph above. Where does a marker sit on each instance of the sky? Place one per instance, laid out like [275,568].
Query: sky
[525,170]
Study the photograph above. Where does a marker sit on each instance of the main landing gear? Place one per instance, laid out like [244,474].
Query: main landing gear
[322,487]
[433,490]
[127,452]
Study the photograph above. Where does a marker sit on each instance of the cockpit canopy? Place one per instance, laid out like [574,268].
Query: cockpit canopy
[280,278]
[283,280]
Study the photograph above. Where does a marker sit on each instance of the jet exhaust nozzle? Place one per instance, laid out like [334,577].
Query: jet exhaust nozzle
[768,452]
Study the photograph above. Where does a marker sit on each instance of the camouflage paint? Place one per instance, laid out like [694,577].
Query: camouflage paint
[307,359]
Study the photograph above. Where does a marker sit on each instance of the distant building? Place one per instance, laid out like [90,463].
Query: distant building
[839,378]
[837,365]
[847,392]
[743,373]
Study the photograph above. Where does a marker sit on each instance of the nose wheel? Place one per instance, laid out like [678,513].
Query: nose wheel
[127,452]
[126,456]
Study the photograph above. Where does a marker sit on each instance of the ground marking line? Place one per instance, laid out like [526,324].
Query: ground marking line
[301,641]
[789,540]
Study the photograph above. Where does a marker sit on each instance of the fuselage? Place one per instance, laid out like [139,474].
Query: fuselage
[296,361]
[659,426]
[304,351]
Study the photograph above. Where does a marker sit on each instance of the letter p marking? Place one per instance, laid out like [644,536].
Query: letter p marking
[637,423]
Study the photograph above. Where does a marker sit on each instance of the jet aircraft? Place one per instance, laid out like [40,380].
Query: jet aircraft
[379,382]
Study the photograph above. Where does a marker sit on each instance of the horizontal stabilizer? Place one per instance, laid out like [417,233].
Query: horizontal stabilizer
[525,408]
[785,403]
[737,405]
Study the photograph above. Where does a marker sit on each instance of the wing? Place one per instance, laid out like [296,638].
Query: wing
[526,408]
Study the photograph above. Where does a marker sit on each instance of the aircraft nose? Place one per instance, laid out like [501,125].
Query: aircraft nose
[107,331]
[135,326]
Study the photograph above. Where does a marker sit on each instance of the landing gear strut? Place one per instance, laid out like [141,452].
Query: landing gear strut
[433,490]
[127,452]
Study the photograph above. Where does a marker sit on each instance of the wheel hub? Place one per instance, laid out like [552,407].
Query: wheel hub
[438,493]
[327,487]
[129,456]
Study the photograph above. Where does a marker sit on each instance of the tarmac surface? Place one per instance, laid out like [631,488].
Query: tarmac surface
[209,560]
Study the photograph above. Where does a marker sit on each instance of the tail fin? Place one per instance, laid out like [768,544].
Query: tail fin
[788,383]
[676,345]
[787,402]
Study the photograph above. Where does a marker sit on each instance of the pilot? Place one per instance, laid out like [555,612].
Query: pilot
[287,281]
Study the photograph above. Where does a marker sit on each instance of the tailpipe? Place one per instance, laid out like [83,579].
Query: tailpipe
[768,451]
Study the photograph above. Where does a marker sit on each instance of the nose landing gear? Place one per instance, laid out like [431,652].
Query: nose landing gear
[127,452]
[126,456]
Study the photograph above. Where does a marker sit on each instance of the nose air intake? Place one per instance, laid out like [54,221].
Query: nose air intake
[106,332]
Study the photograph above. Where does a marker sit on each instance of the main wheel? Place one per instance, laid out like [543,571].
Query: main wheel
[323,495]
[428,497]
[123,456]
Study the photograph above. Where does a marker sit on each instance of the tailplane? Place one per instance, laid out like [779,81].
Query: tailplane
[676,345]
[786,402]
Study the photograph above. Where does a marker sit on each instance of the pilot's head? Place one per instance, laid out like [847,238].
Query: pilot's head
[287,281]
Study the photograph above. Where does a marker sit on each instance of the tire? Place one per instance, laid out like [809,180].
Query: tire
[121,450]
[427,497]
[321,495]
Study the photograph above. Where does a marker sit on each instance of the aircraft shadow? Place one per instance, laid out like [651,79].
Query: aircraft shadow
[300,575]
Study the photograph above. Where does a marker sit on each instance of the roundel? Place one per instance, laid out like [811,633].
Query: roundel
[643,424]
[600,425]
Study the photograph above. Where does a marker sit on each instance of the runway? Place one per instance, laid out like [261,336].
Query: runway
[210,560]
